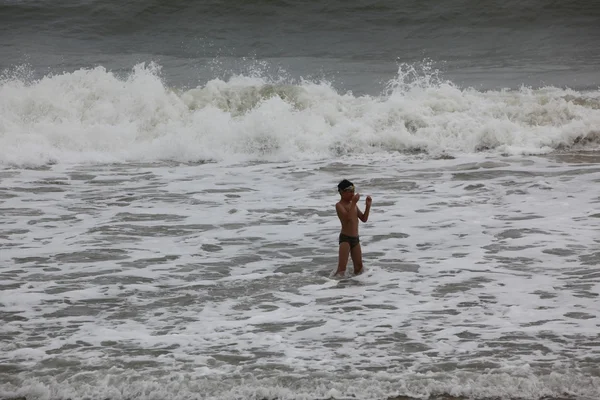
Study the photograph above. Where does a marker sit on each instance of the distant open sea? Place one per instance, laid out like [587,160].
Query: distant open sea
[168,175]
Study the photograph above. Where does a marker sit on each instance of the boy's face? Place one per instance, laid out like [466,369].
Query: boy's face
[347,193]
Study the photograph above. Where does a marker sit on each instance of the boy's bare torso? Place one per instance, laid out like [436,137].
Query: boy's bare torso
[350,223]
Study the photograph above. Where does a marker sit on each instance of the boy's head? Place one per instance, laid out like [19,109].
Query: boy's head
[345,186]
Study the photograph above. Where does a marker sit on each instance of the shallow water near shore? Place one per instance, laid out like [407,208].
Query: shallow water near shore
[178,280]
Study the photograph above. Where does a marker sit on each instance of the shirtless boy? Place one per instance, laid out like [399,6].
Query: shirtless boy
[349,214]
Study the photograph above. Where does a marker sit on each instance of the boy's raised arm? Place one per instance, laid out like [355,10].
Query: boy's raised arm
[365,216]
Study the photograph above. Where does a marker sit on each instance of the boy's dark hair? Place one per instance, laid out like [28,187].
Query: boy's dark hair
[344,185]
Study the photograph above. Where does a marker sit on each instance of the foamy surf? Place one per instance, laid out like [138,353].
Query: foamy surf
[96,116]
[131,281]
[410,386]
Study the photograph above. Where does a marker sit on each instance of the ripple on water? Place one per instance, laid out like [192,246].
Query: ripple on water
[131,230]
[92,255]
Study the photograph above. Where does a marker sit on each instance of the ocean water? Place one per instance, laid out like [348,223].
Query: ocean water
[168,178]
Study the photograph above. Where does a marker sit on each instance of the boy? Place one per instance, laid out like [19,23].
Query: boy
[349,214]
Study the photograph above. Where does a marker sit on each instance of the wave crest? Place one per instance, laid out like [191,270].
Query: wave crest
[93,115]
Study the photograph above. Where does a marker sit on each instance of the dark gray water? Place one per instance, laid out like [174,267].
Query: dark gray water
[485,44]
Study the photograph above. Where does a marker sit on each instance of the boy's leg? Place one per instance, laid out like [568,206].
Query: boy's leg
[356,254]
[343,258]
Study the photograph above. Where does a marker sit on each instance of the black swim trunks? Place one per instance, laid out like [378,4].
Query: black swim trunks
[352,240]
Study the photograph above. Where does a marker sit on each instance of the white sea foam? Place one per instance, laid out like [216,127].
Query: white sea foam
[137,281]
[93,115]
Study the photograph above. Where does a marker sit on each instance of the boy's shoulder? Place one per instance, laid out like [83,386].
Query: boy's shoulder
[343,204]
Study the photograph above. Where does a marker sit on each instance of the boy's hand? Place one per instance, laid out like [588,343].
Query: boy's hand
[356,198]
[368,201]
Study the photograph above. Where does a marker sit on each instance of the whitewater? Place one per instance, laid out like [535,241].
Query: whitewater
[95,115]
